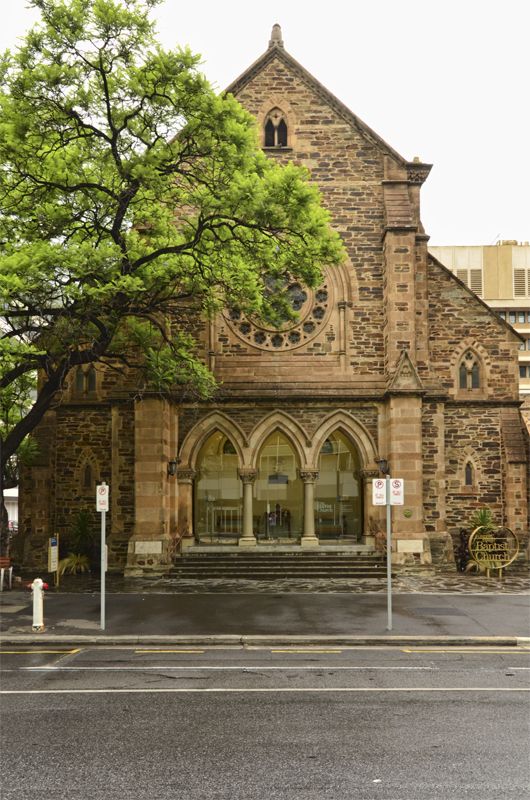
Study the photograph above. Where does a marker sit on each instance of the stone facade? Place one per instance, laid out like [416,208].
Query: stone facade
[392,355]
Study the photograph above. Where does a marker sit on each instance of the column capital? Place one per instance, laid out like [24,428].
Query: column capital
[186,475]
[309,476]
[368,474]
[248,475]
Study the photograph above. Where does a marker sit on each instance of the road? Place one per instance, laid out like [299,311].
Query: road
[299,723]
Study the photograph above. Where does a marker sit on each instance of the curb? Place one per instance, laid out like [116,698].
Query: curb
[266,640]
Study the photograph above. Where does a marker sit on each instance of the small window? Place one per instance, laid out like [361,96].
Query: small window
[269,134]
[229,449]
[511,317]
[502,314]
[282,133]
[522,372]
[275,129]
[79,381]
[87,477]
[469,474]
[91,380]
[469,372]
[521,317]
[522,345]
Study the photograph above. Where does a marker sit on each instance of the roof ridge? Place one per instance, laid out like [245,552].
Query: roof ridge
[276,50]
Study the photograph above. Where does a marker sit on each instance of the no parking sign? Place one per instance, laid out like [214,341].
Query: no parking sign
[102,497]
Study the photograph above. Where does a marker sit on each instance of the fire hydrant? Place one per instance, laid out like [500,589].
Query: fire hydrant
[37,587]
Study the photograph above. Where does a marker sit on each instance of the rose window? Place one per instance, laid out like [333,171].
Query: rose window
[311,308]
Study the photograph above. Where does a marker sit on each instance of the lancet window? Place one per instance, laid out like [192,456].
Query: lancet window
[275,129]
[469,372]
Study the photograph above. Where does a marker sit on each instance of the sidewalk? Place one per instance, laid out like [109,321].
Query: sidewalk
[235,618]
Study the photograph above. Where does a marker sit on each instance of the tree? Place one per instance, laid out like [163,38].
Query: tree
[131,193]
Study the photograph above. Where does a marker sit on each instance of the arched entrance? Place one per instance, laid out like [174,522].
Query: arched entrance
[338,491]
[218,492]
[278,507]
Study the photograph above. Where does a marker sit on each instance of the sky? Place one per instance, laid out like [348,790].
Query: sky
[445,80]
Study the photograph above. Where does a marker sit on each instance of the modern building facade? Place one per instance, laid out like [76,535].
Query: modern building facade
[391,357]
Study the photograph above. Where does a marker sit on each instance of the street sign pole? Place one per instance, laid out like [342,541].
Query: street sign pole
[103,515]
[388,556]
[102,505]
[388,492]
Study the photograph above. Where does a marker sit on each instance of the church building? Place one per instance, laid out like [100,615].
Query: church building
[391,359]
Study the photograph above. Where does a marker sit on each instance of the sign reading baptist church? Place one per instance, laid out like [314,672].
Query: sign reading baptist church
[493,549]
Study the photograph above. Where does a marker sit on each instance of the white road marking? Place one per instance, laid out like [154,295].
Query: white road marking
[200,668]
[284,689]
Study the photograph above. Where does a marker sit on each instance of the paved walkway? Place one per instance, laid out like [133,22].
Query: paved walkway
[159,608]
[449,582]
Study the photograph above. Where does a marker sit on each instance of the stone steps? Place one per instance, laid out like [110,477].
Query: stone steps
[270,567]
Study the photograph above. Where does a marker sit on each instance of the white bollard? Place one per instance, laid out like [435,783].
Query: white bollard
[37,587]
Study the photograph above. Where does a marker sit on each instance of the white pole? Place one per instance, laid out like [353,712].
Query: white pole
[38,611]
[388,554]
[103,559]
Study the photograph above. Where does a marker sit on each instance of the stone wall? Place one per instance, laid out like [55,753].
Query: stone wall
[309,416]
[349,170]
[473,433]
[457,320]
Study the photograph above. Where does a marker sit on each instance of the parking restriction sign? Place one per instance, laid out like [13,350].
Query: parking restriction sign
[102,497]
[397,492]
[379,492]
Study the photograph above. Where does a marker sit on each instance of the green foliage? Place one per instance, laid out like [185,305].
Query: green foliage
[74,564]
[130,195]
[82,537]
[482,518]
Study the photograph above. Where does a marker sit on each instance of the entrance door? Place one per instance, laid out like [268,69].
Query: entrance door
[218,499]
[278,497]
[338,494]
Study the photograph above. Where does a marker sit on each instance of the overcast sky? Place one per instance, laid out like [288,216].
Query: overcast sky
[446,80]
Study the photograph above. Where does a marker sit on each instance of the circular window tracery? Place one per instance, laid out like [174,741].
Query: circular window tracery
[312,309]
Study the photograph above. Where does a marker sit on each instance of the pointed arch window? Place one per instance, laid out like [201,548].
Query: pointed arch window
[79,381]
[87,476]
[228,448]
[469,474]
[275,129]
[91,380]
[469,372]
[85,381]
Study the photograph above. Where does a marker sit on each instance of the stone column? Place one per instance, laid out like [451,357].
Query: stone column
[185,478]
[248,476]
[405,454]
[373,516]
[149,547]
[308,536]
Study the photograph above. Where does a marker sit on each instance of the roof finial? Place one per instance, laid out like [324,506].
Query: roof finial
[276,37]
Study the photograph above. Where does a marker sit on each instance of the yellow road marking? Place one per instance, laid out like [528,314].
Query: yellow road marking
[200,652]
[31,652]
[508,651]
[312,650]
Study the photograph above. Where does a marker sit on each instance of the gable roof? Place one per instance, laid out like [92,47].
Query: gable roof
[277,51]
[475,297]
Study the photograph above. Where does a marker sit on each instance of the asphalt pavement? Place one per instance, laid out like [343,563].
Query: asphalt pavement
[246,723]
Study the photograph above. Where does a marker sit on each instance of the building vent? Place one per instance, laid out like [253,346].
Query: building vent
[472,278]
[520,282]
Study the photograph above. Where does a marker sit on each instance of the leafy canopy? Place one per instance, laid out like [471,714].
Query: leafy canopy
[131,193]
